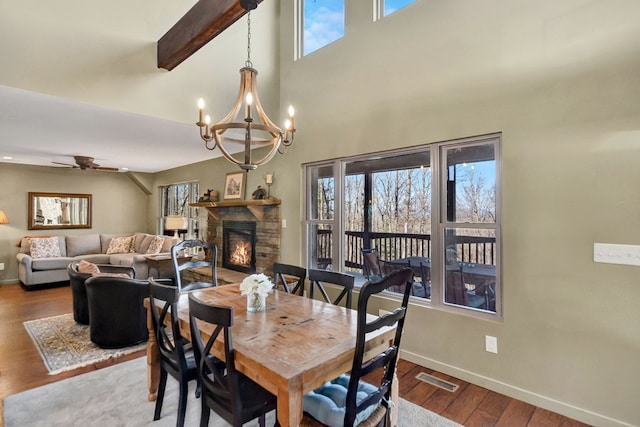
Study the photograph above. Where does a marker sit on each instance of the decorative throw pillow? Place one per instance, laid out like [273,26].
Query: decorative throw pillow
[44,247]
[87,267]
[120,245]
[156,245]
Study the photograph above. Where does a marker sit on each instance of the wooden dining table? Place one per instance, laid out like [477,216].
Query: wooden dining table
[293,347]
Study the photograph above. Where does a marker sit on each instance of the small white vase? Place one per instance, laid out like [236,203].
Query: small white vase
[256,302]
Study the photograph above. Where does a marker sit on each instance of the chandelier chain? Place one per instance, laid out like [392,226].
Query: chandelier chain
[248,63]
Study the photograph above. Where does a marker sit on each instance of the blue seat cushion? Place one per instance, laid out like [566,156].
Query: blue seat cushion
[327,403]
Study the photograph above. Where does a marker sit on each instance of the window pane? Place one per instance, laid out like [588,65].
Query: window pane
[391,6]
[322,193]
[470,267]
[320,249]
[470,178]
[323,23]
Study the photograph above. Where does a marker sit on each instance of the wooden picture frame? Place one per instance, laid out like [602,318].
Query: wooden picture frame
[52,211]
[234,186]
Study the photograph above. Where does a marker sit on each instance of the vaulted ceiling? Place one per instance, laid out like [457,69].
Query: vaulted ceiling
[83,79]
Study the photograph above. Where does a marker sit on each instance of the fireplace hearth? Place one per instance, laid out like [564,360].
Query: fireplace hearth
[239,246]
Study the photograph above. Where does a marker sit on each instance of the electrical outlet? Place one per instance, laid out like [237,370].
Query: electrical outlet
[284,223]
[1,265]
[491,344]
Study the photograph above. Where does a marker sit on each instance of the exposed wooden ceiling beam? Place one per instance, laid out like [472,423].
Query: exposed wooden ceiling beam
[204,21]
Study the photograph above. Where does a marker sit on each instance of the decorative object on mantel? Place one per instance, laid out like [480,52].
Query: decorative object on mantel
[234,185]
[256,207]
[251,131]
[259,194]
[3,218]
[256,287]
[209,196]
[268,179]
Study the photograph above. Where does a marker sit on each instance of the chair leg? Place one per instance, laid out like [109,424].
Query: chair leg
[204,414]
[161,386]
[182,404]
[261,420]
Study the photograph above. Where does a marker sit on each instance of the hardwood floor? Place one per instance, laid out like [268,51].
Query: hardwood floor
[21,368]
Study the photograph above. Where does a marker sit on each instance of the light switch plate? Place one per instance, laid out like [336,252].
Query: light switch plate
[491,344]
[616,254]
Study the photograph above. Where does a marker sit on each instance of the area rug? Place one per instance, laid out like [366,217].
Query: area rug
[65,345]
[117,396]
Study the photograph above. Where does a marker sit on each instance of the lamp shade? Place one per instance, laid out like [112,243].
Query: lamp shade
[175,222]
[3,218]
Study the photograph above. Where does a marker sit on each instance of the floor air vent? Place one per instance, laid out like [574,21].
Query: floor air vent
[430,379]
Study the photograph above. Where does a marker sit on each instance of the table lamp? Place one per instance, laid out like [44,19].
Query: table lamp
[3,218]
[175,223]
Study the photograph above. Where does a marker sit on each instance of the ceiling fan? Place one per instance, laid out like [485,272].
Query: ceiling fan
[84,162]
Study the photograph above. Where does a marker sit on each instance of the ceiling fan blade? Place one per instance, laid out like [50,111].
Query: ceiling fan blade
[104,168]
[66,164]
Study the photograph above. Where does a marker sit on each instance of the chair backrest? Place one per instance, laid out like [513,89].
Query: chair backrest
[220,381]
[318,278]
[293,272]
[455,291]
[384,362]
[179,265]
[164,315]
[371,264]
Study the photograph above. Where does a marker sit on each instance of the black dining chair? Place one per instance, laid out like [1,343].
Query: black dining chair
[176,355]
[347,400]
[318,278]
[290,276]
[227,392]
[180,265]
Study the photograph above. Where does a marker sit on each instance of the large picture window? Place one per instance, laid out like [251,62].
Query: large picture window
[433,208]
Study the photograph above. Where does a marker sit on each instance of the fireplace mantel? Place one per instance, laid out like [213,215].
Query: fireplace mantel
[256,207]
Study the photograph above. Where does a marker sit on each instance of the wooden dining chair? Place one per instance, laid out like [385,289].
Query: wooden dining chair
[289,276]
[176,356]
[348,400]
[318,278]
[227,392]
[179,266]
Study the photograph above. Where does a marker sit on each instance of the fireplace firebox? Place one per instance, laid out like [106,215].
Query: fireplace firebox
[239,246]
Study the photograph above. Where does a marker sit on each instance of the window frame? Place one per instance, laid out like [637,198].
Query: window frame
[438,220]
[192,213]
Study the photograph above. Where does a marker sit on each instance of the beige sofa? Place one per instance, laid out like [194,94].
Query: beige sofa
[95,248]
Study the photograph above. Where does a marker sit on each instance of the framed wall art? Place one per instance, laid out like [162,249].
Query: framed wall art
[234,186]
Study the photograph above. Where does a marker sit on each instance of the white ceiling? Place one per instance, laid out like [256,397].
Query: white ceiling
[37,129]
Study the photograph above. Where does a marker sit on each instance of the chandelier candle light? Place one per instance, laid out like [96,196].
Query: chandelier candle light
[258,129]
[256,287]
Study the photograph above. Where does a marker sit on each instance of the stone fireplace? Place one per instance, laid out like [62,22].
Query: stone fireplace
[258,217]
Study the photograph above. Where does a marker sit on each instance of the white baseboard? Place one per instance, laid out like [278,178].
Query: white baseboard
[544,402]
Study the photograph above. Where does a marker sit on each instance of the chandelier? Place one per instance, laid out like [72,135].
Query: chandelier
[255,130]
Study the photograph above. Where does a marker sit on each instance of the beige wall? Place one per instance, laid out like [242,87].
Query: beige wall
[118,205]
[560,81]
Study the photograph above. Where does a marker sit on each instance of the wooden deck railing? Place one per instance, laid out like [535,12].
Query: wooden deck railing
[472,249]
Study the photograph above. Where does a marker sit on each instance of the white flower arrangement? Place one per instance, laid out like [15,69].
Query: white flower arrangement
[256,284]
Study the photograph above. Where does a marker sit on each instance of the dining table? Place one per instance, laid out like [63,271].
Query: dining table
[293,347]
[477,274]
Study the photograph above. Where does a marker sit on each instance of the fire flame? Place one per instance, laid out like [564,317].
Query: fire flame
[242,254]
